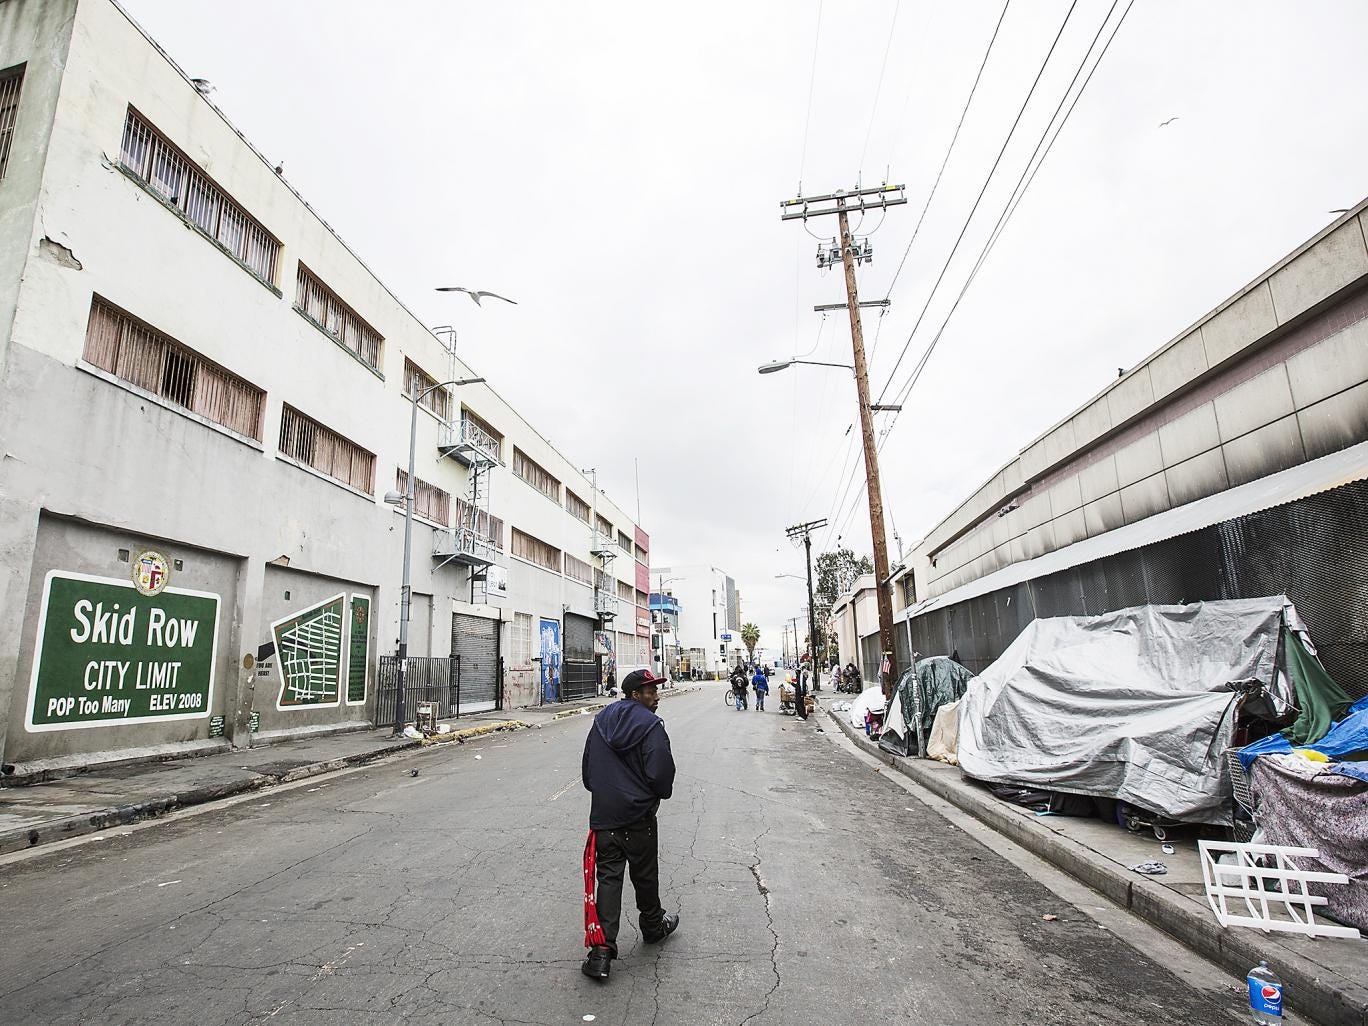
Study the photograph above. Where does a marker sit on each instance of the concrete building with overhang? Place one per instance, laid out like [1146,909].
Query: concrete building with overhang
[206,400]
[1230,463]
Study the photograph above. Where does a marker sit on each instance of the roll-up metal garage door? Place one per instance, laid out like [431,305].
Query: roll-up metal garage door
[579,669]
[475,662]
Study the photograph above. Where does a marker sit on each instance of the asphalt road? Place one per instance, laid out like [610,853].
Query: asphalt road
[813,889]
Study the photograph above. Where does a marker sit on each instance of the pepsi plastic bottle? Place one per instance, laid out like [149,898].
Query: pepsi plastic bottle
[1265,995]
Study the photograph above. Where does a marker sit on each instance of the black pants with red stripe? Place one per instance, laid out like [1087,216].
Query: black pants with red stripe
[635,849]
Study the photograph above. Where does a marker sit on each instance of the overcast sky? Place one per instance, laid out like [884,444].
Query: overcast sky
[617,168]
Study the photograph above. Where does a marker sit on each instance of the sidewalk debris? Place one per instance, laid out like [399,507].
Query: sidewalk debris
[1151,868]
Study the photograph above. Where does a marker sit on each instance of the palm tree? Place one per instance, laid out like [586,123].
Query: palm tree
[750,637]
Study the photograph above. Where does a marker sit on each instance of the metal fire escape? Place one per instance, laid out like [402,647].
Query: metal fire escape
[604,549]
[470,540]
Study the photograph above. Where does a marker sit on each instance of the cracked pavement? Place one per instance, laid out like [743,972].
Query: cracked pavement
[812,889]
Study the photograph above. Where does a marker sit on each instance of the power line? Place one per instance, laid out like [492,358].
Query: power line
[812,82]
[878,89]
[986,182]
[1013,201]
[951,149]
[1019,192]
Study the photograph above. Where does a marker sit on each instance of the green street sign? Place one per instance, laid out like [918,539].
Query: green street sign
[309,655]
[358,650]
[106,654]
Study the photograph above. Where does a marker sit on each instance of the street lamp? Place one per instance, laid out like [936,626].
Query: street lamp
[778,365]
[394,499]
[873,482]
[661,581]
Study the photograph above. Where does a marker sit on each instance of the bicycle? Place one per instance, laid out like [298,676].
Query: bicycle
[731,699]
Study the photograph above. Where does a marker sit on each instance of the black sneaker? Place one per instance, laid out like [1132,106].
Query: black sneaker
[668,925]
[598,964]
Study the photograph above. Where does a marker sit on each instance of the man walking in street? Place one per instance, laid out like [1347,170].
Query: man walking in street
[761,684]
[629,770]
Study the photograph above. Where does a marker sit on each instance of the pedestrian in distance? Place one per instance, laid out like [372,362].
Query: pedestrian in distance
[800,699]
[628,770]
[761,684]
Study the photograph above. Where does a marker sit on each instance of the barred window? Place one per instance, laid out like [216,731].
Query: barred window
[429,501]
[481,522]
[626,592]
[536,551]
[624,542]
[304,439]
[325,309]
[470,415]
[535,475]
[520,640]
[173,176]
[578,570]
[417,380]
[578,507]
[143,356]
[11,83]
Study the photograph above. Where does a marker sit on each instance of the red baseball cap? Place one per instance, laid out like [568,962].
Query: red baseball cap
[638,679]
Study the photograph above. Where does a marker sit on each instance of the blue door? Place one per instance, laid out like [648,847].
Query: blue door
[550,660]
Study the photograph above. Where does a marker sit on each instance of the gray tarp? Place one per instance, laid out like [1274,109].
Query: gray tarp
[1133,704]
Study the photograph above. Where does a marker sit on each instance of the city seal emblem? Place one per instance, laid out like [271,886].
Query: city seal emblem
[151,573]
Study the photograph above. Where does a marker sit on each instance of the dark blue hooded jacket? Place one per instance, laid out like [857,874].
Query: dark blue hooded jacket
[627,765]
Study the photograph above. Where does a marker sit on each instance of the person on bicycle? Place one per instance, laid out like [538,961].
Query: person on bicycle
[739,682]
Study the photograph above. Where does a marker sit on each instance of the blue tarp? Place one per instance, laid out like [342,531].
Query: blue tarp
[1346,737]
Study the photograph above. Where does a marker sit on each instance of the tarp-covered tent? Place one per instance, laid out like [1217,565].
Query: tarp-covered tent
[1137,704]
[936,681]
[943,743]
[869,700]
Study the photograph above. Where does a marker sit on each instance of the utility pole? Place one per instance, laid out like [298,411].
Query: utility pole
[804,531]
[852,252]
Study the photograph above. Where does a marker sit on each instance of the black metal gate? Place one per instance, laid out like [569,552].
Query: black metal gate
[579,668]
[475,662]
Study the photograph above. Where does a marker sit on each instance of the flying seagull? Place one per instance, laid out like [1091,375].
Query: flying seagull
[477,296]
[1170,121]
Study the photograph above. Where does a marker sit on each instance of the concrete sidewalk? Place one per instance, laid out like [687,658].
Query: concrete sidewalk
[1325,979]
[103,798]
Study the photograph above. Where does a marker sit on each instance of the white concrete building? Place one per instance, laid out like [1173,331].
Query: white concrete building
[206,402]
[709,614]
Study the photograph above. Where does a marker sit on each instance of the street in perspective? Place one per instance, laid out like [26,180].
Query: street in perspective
[802,513]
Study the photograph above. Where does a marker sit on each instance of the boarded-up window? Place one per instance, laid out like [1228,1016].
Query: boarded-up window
[534,550]
[175,178]
[325,308]
[157,363]
[533,473]
[577,507]
[578,570]
[417,381]
[429,501]
[306,440]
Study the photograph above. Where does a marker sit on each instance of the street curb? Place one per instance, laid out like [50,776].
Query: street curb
[1332,1001]
[466,733]
[26,838]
